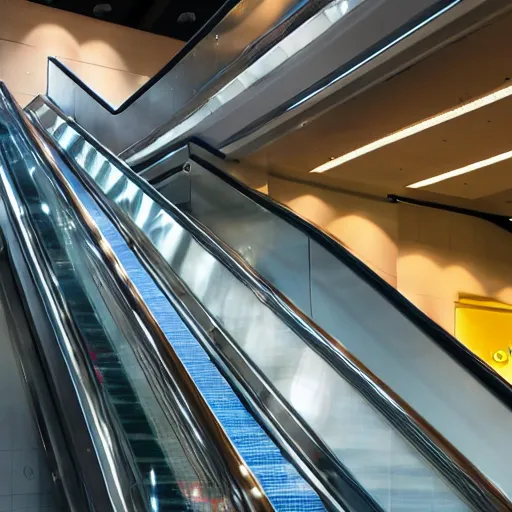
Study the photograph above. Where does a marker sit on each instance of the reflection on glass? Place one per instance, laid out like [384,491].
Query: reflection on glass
[165,477]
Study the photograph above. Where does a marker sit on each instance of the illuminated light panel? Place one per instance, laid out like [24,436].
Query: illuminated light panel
[489,99]
[463,170]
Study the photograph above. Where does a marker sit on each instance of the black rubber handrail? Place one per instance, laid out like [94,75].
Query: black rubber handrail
[312,90]
[493,381]
[502,221]
[178,57]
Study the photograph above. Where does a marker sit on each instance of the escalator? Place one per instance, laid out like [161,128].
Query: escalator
[361,402]
[286,57]
[118,439]
[135,432]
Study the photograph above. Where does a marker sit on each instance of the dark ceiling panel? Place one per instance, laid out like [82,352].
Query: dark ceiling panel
[179,19]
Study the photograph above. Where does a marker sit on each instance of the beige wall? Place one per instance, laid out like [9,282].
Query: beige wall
[346,217]
[429,255]
[114,60]
[443,254]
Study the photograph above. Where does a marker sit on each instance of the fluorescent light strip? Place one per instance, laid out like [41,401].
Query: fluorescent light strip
[417,128]
[463,170]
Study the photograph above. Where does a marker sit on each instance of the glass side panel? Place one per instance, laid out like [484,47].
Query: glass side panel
[384,463]
[165,475]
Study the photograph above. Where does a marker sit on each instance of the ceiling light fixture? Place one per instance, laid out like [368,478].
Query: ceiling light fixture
[186,17]
[102,9]
[444,117]
[463,170]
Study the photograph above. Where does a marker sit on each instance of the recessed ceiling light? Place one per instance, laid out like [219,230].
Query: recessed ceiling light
[484,101]
[102,9]
[186,17]
[463,170]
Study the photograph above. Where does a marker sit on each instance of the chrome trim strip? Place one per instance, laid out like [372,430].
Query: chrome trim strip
[471,484]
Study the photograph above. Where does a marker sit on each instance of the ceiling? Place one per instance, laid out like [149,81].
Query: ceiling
[179,19]
[462,72]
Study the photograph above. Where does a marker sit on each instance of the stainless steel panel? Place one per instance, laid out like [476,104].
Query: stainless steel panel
[371,328]
[264,240]
[171,94]
[177,189]
[444,393]
[59,87]
[183,102]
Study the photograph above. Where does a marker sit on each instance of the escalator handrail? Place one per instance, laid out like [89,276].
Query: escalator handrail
[489,378]
[244,489]
[211,333]
[451,463]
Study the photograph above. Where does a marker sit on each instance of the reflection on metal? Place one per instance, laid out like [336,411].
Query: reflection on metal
[292,352]
[387,337]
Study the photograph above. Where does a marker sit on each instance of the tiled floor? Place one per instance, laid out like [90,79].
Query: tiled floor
[25,480]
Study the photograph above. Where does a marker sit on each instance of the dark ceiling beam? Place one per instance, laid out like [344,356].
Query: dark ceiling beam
[155,11]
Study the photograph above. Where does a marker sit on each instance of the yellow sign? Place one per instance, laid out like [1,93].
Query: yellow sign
[485,327]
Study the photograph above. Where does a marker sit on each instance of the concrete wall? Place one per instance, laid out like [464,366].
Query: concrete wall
[430,256]
[114,60]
